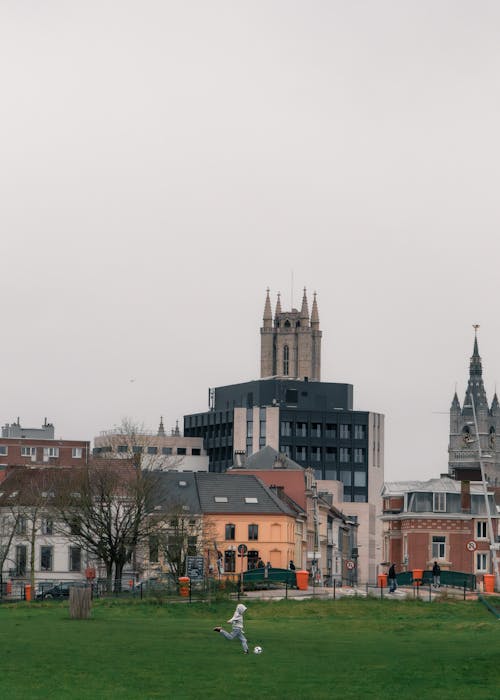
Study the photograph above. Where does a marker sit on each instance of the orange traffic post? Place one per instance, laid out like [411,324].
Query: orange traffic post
[418,575]
[489,583]
[9,587]
[382,580]
[302,578]
[27,591]
[184,586]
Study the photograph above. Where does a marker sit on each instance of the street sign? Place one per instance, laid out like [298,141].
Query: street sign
[194,568]
[350,565]
[242,549]
[471,546]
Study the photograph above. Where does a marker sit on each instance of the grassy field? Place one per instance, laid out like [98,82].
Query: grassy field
[313,649]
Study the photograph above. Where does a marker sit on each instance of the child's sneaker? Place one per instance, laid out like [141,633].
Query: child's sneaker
[217,629]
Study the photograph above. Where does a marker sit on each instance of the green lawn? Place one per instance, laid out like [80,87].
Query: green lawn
[313,649]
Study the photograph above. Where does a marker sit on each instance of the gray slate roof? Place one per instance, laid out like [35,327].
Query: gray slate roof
[175,490]
[236,489]
[269,458]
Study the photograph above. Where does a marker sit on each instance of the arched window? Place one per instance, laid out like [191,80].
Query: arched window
[287,324]
[286,357]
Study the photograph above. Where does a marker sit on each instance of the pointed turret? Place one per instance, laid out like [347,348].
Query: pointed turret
[268,314]
[315,314]
[475,386]
[455,404]
[304,312]
[494,404]
[278,307]
[161,428]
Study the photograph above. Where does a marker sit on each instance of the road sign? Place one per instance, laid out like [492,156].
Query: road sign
[350,565]
[242,549]
[471,546]
[194,568]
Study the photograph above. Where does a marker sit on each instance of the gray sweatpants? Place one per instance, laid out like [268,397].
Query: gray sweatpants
[236,633]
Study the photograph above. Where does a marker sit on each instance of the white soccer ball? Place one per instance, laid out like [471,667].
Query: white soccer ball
[257,650]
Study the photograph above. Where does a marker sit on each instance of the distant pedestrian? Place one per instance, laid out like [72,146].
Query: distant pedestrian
[291,565]
[391,578]
[237,631]
[260,564]
[436,575]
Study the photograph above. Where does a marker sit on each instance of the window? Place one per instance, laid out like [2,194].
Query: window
[51,451]
[286,428]
[251,499]
[286,450]
[481,530]
[263,428]
[359,478]
[230,531]
[438,547]
[196,451]
[47,527]
[359,455]
[439,502]
[331,430]
[253,532]
[75,559]
[301,453]
[249,428]
[21,560]
[137,449]
[4,450]
[192,545]
[359,432]
[28,451]
[346,477]
[21,525]
[301,429]
[152,450]
[286,359]
[345,454]
[76,452]
[220,499]
[181,450]
[345,431]
[46,558]
[315,429]
[315,454]
[481,561]
[229,561]
[359,498]
[330,454]
[166,450]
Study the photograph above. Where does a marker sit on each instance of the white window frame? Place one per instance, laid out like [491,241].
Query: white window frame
[51,452]
[481,529]
[28,451]
[439,502]
[482,557]
[4,450]
[440,547]
[77,452]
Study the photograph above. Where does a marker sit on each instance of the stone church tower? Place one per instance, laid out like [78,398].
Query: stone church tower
[291,342]
[463,448]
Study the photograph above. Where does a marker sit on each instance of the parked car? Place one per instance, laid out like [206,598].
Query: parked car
[59,591]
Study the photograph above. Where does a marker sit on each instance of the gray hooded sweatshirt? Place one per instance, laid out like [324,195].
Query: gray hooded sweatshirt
[237,618]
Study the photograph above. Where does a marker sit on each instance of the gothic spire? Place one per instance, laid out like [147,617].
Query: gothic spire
[455,404]
[161,429]
[475,386]
[304,312]
[268,314]
[314,313]
[278,306]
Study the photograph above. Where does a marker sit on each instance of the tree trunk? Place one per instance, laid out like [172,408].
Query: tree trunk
[32,555]
[79,602]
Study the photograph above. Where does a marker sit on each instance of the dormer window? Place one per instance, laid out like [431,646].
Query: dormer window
[439,502]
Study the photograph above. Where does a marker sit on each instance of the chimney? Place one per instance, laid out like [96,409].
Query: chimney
[239,459]
[465,496]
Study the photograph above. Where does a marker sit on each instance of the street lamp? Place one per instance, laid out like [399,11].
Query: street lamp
[491,532]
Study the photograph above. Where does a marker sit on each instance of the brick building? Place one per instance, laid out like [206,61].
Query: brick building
[427,521]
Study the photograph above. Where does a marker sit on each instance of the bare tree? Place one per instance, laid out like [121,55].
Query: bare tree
[103,509]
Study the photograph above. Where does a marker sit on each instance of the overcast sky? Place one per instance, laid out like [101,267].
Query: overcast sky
[162,163]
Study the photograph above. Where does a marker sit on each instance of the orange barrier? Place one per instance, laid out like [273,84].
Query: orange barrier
[9,587]
[382,580]
[184,586]
[489,583]
[418,575]
[302,578]
[27,591]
